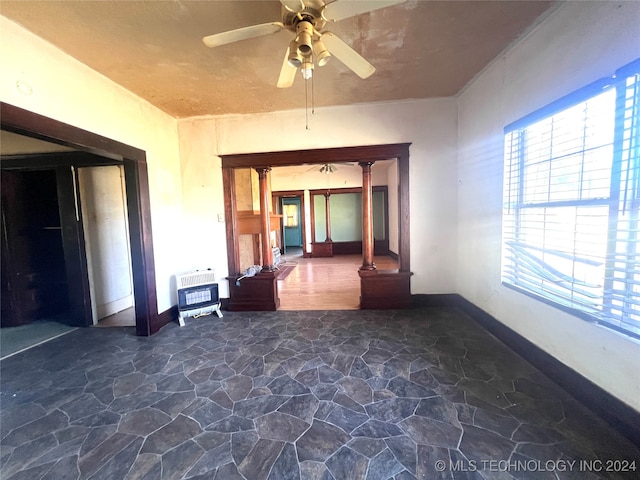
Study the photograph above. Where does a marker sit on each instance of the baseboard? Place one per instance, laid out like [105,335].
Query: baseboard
[166,317]
[616,413]
[434,300]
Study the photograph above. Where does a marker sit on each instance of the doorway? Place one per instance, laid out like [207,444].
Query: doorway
[379,289]
[292,223]
[42,290]
[90,149]
[104,218]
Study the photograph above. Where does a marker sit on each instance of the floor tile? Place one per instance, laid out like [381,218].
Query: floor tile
[327,395]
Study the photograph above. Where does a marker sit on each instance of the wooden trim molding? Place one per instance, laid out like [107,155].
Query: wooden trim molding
[24,122]
[404,217]
[169,315]
[230,217]
[357,154]
[317,156]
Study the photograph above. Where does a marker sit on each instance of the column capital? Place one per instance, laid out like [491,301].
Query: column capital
[366,164]
[262,171]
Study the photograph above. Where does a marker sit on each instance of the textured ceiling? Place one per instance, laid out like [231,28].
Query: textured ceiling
[420,48]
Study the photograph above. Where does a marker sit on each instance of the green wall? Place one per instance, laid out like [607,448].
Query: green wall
[346,216]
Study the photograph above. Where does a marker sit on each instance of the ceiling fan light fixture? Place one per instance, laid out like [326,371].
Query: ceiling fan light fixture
[321,53]
[304,38]
[294,59]
[307,68]
[327,168]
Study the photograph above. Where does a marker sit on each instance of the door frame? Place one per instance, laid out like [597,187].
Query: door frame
[366,153]
[299,227]
[105,151]
[278,197]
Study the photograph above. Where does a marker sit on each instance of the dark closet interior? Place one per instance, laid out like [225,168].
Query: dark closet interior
[34,279]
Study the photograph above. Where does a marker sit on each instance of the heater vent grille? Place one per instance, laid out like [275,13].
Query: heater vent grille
[196,278]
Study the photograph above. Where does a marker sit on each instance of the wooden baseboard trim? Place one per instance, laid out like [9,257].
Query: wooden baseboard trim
[434,300]
[615,412]
[166,317]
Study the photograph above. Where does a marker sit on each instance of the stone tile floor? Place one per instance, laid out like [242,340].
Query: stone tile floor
[423,393]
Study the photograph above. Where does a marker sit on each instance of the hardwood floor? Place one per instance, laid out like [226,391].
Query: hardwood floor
[325,283]
[125,318]
[313,284]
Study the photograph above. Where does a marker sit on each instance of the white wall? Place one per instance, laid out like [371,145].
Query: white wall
[430,125]
[66,90]
[203,230]
[579,43]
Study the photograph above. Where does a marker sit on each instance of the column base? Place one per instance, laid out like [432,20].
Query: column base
[385,289]
[257,293]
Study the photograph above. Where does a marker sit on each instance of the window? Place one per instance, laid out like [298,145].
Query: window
[291,215]
[572,203]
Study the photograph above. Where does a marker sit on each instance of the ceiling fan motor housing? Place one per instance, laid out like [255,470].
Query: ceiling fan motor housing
[307,14]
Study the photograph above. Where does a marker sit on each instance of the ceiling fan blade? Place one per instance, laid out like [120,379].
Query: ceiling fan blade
[340,9]
[347,55]
[293,5]
[242,34]
[287,73]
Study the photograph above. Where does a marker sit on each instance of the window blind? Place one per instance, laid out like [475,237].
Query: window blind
[571,203]
[622,281]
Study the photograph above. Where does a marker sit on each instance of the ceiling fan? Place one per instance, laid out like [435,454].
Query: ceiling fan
[328,168]
[312,45]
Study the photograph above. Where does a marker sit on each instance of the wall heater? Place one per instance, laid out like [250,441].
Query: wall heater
[197,295]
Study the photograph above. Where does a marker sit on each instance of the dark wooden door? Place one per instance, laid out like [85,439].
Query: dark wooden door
[43,264]
[17,309]
[75,255]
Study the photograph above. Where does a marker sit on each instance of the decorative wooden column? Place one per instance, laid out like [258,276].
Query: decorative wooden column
[327,210]
[367,218]
[324,249]
[259,292]
[265,220]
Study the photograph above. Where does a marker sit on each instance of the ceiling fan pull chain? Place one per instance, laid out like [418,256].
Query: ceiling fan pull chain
[306,106]
[313,99]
